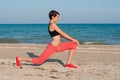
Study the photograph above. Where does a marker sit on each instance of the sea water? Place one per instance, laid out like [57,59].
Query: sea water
[38,33]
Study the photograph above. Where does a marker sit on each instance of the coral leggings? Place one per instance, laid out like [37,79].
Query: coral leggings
[50,49]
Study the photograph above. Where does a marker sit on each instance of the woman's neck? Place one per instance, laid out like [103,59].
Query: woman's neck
[52,21]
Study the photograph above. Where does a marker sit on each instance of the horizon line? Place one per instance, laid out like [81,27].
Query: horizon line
[60,23]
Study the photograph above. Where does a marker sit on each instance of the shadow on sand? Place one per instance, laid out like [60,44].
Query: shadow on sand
[32,55]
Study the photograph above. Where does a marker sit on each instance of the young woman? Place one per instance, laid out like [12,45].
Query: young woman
[55,45]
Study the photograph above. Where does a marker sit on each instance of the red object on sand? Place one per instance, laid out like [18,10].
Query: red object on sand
[17,61]
[70,66]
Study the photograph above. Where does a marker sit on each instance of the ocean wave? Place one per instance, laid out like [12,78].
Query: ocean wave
[6,40]
[92,43]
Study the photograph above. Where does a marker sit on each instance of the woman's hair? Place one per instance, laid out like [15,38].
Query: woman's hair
[53,13]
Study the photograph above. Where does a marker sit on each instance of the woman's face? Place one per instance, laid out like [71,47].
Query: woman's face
[56,18]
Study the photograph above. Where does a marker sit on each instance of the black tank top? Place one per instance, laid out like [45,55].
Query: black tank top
[53,33]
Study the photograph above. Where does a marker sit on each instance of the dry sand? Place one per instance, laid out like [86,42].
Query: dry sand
[95,62]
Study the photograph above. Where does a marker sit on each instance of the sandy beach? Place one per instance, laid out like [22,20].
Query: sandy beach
[95,62]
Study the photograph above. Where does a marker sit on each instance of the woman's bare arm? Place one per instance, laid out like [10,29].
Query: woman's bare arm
[63,34]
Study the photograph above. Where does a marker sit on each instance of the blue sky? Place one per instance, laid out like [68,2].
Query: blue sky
[72,11]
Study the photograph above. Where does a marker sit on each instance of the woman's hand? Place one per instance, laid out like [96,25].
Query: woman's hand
[76,41]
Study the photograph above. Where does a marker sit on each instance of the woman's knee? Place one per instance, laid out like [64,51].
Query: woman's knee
[73,45]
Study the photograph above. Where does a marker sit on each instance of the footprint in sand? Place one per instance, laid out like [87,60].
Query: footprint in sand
[28,75]
[53,77]
[39,75]
[69,73]
[53,71]
[2,63]
[40,68]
